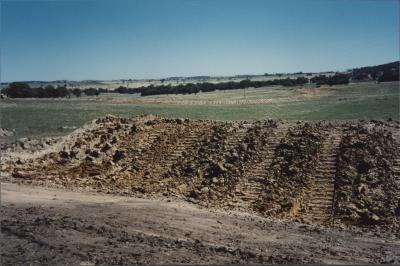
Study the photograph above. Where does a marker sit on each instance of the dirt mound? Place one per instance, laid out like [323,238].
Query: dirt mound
[211,171]
[27,145]
[368,189]
[272,167]
[291,172]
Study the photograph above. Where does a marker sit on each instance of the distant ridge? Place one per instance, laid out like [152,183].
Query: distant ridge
[368,72]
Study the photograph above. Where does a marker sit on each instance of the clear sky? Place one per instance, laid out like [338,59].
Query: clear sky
[113,39]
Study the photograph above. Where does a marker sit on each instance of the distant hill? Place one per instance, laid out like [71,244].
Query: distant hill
[384,72]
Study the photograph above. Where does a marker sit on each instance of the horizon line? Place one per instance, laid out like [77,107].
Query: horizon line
[194,76]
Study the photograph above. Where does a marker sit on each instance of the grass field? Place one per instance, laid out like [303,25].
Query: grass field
[49,117]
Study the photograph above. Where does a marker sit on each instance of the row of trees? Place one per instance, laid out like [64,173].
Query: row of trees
[331,80]
[191,88]
[23,90]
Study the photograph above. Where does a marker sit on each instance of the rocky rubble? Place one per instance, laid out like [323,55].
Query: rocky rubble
[211,171]
[112,155]
[27,144]
[199,173]
[368,190]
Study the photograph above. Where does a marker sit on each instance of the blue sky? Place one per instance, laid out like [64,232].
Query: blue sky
[113,39]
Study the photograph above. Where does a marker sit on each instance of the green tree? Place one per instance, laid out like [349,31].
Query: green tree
[18,90]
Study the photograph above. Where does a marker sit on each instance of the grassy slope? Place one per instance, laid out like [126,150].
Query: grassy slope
[30,117]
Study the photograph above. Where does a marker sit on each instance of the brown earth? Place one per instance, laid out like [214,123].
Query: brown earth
[296,170]
[42,226]
[342,176]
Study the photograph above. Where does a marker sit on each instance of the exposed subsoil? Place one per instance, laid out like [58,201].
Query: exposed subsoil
[341,178]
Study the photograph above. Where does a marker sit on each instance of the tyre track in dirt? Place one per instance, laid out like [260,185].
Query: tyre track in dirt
[318,207]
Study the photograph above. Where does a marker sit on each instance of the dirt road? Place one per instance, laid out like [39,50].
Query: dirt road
[53,227]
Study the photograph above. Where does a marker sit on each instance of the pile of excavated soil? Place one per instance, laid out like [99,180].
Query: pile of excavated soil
[210,172]
[268,165]
[28,145]
[292,169]
[367,186]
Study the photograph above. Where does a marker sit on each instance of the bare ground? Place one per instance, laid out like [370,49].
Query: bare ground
[62,227]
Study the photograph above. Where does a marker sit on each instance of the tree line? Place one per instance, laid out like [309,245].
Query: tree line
[331,80]
[194,88]
[23,90]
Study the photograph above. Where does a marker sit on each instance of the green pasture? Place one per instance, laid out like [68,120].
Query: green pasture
[49,117]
